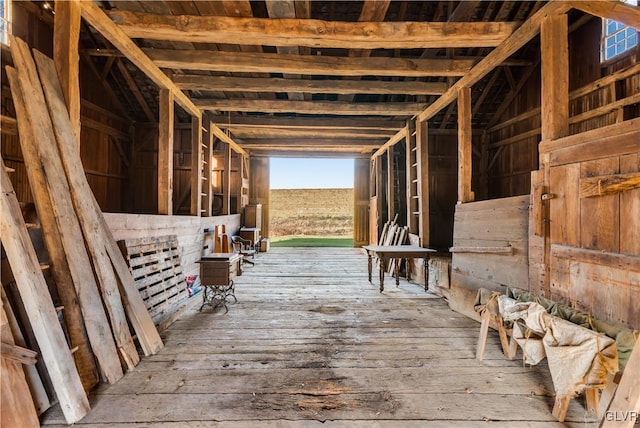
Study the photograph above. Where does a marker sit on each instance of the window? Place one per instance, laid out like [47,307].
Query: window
[618,38]
[5,20]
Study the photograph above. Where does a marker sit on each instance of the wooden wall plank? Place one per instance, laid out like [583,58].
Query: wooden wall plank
[600,217]
[226,178]
[565,206]
[630,209]
[165,153]
[208,140]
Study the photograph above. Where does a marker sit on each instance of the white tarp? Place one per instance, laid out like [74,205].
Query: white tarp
[577,357]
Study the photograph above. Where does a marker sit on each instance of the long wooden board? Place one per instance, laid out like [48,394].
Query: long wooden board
[27,91]
[139,317]
[38,304]
[82,198]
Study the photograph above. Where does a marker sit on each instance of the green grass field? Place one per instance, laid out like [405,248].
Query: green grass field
[312,241]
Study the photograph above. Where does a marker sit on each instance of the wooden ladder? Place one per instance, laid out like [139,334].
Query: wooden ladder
[413,182]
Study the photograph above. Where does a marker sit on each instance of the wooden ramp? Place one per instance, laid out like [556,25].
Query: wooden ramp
[312,343]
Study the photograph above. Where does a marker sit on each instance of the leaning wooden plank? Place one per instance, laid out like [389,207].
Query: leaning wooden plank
[16,408]
[82,198]
[626,400]
[141,321]
[38,305]
[36,386]
[85,361]
[57,189]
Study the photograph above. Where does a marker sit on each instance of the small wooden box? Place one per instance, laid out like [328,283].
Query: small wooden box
[264,245]
[253,215]
[219,269]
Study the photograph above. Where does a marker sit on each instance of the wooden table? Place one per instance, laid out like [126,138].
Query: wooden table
[387,252]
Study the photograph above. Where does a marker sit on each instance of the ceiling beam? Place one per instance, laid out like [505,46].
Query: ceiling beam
[298,64]
[334,123]
[101,22]
[341,143]
[312,32]
[311,107]
[519,38]
[243,84]
[399,136]
[308,154]
[615,10]
[243,133]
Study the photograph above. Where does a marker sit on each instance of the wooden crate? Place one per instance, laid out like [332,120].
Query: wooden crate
[156,266]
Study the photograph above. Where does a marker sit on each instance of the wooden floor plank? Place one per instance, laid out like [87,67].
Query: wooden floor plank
[314,342]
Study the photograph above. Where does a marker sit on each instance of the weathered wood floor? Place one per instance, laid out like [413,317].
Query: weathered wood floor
[312,343]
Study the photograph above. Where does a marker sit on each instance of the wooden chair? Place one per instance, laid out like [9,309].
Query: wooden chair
[243,247]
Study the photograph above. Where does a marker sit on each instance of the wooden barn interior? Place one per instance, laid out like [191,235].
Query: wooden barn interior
[502,135]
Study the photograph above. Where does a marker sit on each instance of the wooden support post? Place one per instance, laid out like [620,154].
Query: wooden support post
[464,146]
[391,190]
[554,47]
[208,156]
[411,178]
[593,401]
[38,304]
[226,179]
[66,35]
[422,156]
[165,153]
[196,165]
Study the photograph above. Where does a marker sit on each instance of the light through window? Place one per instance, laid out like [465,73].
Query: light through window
[5,20]
[618,38]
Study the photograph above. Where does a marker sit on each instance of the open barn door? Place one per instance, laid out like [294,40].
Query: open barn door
[361,203]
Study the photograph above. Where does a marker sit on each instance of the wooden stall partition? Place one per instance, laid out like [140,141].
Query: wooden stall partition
[594,258]
[490,249]
[361,202]
[259,189]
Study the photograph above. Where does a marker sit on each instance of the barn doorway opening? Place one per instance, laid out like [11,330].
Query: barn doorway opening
[311,202]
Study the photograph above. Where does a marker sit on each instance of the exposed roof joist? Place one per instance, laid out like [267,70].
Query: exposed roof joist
[337,123]
[312,107]
[312,32]
[519,38]
[245,84]
[306,64]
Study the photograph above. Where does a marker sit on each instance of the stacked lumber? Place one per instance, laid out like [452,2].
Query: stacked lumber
[93,281]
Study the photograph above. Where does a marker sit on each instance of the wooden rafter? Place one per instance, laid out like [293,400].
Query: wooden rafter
[245,84]
[311,107]
[243,133]
[320,65]
[311,32]
[308,122]
[519,38]
[136,90]
[617,10]
[101,22]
